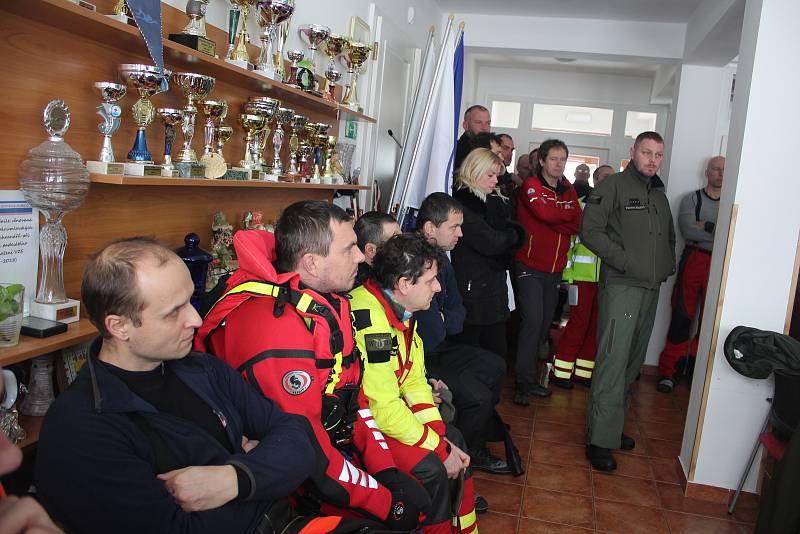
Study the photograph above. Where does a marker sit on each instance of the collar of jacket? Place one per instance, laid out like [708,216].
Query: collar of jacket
[394,312]
[111,394]
[654,182]
[561,186]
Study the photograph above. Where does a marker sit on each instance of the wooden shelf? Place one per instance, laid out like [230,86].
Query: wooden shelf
[193,182]
[30,347]
[69,17]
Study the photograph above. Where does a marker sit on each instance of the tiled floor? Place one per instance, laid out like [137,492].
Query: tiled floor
[560,493]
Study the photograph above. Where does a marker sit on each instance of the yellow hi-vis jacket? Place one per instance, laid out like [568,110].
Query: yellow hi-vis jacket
[583,265]
[394,381]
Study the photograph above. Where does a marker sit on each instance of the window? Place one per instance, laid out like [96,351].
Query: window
[572,119]
[637,122]
[505,114]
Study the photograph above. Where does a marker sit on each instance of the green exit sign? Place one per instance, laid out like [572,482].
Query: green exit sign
[351,129]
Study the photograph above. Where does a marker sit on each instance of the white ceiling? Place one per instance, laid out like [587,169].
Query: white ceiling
[581,64]
[637,10]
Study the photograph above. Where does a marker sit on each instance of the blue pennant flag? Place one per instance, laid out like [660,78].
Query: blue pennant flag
[147,14]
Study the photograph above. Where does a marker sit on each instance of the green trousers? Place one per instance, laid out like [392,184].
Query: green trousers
[625,321]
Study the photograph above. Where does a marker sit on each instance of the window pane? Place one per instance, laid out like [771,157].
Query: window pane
[505,114]
[637,122]
[572,119]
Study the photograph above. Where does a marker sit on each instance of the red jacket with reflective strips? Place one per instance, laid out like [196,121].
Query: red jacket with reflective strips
[550,216]
[288,356]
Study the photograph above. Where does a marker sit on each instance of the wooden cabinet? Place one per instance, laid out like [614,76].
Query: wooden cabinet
[56,49]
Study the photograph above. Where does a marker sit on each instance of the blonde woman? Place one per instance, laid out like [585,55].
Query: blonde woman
[483,255]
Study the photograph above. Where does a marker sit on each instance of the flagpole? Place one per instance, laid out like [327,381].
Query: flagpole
[451,171]
[436,77]
[428,48]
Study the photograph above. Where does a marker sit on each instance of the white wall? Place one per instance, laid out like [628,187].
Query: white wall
[529,86]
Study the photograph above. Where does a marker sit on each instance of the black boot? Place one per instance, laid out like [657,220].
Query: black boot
[601,458]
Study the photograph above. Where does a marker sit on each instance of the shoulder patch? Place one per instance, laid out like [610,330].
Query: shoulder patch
[594,199]
[361,319]
[378,347]
[531,191]
[296,382]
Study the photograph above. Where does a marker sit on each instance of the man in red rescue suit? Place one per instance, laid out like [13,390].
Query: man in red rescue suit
[283,324]
[697,220]
[548,208]
[577,347]
[403,281]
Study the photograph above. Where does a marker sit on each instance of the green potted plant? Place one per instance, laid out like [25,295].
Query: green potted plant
[11,305]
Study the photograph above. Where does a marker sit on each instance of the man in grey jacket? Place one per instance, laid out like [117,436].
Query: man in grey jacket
[627,222]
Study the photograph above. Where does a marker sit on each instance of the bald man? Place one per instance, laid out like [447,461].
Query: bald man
[477,120]
[697,221]
[581,183]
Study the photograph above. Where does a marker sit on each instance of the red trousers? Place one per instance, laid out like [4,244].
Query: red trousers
[578,345]
[427,468]
[687,295]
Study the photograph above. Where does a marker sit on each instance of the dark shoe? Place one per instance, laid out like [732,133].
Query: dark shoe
[585,383]
[522,398]
[601,458]
[481,504]
[540,391]
[563,383]
[665,384]
[627,443]
[485,461]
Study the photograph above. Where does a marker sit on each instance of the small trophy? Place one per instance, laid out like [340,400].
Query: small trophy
[296,125]
[194,87]
[110,111]
[251,124]
[267,107]
[54,179]
[313,35]
[171,118]
[331,176]
[295,56]
[147,80]
[234,14]
[282,116]
[122,12]
[223,133]
[354,59]
[194,34]
[239,56]
[334,46]
[271,14]
[214,163]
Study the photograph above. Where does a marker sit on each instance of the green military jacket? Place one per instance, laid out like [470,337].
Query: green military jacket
[628,224]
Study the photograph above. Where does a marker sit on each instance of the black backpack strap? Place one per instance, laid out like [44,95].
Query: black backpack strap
[699,204]
[165,459]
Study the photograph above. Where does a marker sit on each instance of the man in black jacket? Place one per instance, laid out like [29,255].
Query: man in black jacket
[476,120]
[473,375]
[372,229]
[151,437]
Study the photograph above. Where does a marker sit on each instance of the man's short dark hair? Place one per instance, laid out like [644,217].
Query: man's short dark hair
[502,135]
[473,108]
[550,144]
[655,136]
[597,170]
[403,256]
[484,140]
[436,208]
[305,228]
[109,284]
[369,228]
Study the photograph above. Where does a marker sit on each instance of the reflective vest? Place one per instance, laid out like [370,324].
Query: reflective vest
[394,380]
[583,265]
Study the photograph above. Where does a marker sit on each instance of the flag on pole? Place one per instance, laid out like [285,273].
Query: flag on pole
[427,163]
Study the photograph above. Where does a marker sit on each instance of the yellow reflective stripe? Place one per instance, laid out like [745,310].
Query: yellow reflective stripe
[415,397]
[333,378]
[583,373]
[562,374]
[260,288]
[428,415]
[586,364]
[564,365]
[467,520]
[431,440]
[304,302]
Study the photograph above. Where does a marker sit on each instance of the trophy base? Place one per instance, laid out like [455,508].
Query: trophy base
[66,312]
[87,5]
[354,106]
[142,169]
[169,172]
[271,178]
[240,63]
[271,73]
[195,42]
[102,167]
[237,173]
[314,92]
[190,170]
[121,18]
